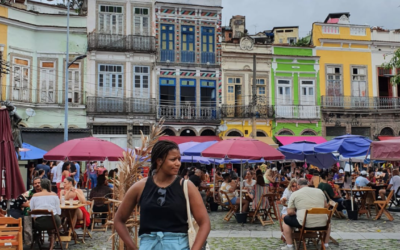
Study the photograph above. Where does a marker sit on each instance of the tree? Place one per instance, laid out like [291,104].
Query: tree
[303,42]
[394,63]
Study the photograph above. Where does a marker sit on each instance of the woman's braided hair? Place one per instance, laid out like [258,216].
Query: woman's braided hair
[160,151]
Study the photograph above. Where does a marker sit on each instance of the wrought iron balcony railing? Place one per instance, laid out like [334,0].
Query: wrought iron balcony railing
[188,113]
[167,55]
[298,112]
[188,56]
[359,102]
[246,111]
[207,57]
[117,105]
[122,43]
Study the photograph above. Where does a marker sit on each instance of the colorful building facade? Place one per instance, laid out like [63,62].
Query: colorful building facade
[3,42]
[295,91]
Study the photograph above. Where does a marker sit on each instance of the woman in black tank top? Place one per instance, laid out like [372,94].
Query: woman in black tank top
[163,212]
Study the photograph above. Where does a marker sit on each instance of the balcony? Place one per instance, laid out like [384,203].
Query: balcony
[298,112]
[360,103]
[114,105]
[121,43]
[207,57]
[245,111]
[167,55]
[188,113]
[188,56]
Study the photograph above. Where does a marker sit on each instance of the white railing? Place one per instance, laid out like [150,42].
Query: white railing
[176,112]
[297,112]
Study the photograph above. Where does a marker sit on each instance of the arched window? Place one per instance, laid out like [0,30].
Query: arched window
[309,132]
[207,132]
[261,134]
[234,134]
[387,131]
[169,132]
[285,132]
[188,132]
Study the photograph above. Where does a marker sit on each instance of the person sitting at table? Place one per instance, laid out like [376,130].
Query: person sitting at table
[371,176]
[347,180]
[362,180]
[303,199]
[70,192]
[394,184]
[40,173]
[292,187]
[229,187]
[325,186]
[37,188]
[196,179]
[46,200]
[101,191]
[65,171]
[248,182]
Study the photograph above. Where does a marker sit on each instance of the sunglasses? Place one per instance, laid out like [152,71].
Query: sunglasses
[161,200]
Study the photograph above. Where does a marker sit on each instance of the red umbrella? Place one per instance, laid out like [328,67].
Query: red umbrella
[243,148]
[12,184]
[85,149]
[385,150]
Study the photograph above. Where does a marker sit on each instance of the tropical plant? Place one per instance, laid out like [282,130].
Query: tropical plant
[394,63]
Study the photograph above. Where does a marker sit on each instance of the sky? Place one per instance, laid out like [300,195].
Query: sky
[265,14]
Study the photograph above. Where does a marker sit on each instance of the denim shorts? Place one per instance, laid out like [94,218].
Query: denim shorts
[233,201]
[164,241]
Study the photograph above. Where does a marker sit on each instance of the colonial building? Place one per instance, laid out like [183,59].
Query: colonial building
[295,91]
[121,96]
[188,89]
[350,99]
[285,35]
[36,82]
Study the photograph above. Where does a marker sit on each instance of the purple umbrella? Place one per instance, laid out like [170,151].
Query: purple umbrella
[185,146]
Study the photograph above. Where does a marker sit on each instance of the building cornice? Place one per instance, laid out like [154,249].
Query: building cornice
[293,57]
[342,25]
[17,23]
[327,40]
[386,43]
[160,3]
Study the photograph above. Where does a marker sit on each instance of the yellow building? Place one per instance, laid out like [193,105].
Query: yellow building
[3,41]
[286,35]
[346,83]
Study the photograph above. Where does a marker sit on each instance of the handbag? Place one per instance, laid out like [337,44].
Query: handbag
[193,227]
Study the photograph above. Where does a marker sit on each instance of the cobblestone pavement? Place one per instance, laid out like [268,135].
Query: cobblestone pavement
[361,234]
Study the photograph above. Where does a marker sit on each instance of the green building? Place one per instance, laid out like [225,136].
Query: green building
[295,91]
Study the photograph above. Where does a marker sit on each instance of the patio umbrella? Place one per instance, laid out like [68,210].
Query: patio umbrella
[196,159]
[12,184]
[243,148]
[386,150]
[187,145]
[198,149]
[347,146]
[304,151]
[85,149]
[31,152]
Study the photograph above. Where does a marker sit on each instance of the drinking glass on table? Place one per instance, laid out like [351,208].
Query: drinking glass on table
[71,202]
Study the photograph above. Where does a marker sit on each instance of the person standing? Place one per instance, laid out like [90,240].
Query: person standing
[54,179]
[93,174]
[101,169]
[59,175]
[45,167]
[72,170]
[163,210]
[77,173]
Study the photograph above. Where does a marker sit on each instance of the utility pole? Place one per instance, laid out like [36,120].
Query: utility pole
[254,120]
[66,79]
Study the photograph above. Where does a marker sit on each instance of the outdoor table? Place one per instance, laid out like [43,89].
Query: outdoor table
[69,212]
[364,194]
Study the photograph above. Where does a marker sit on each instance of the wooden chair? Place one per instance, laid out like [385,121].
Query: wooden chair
[232,208]
[260,213]
[82,222]
[36,233]
[320,231]
[11,233]
[271,211]
[382,207]
[96,216]
[332,204]
[395,199]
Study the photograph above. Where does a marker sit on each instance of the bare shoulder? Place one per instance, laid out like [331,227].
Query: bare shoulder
[138,186]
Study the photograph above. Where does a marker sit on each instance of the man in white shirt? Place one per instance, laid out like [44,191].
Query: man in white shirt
[303,199]
[54,179]
[59,175]
[394,184]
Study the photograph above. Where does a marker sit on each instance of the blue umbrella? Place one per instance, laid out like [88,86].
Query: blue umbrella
[33,153]
[185,146]
[196,159]
[198,149]
[304,151]
[347,145]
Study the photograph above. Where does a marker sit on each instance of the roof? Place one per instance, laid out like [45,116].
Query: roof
[336,15]
[285,27]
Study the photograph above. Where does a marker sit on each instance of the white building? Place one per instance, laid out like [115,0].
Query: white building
[121,96]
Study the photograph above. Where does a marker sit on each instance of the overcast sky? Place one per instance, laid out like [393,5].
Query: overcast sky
[266,14]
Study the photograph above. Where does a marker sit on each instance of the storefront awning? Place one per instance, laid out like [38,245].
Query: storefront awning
[386,138]
[267,140]
[183,139]
[49,138]
[286,140]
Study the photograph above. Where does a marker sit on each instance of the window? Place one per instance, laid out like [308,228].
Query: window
[261,90]
[167,42]
[188,54]
[288,31]
[21,79]
[142,22]
[335,131]
[110,80]
[167,91]
[234,80]
[307,92]
[359,81]
[329,29]
[188,92]
[383,71]
[111,20]
[74,83]
[109,130]
[234,94]
[292,40]
[136,130]
[364,131]
[280,40]
[207,43]
[279,31]
[230,89]
[47,82]
[208,93]
[358,31]
[334,81]
[284,96]
[141,82]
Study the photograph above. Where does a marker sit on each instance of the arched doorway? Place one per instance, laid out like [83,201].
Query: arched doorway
[261,134]
[387,131]
[169,132]
[207,132]
[188,132]
[309,132]
[233,134]
[285,132]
